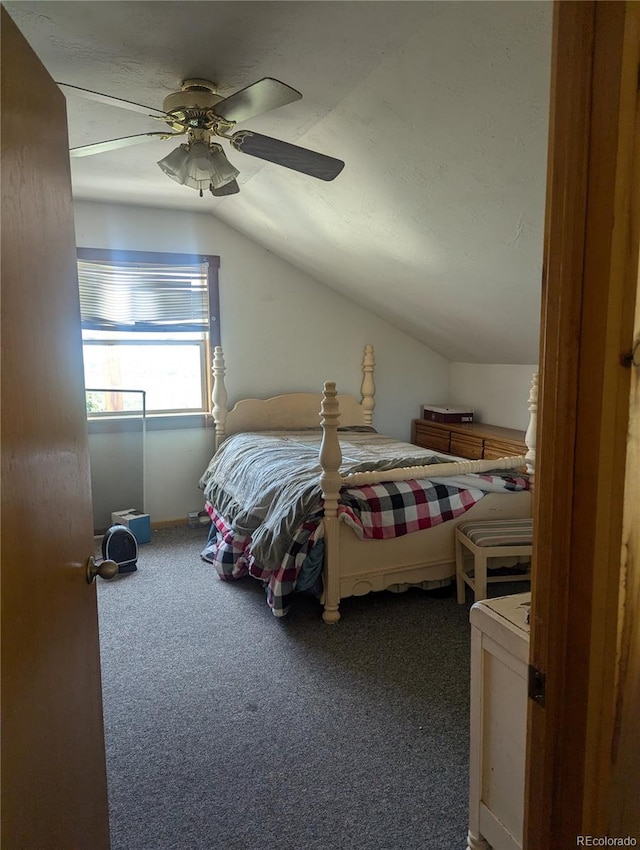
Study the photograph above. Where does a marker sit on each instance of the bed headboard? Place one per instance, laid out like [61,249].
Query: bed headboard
[290,410]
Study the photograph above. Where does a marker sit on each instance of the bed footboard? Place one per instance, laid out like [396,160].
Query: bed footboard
[427,555]
[354,567]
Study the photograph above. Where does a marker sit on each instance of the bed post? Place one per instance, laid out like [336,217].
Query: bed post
[219,395]
[530,436]
[368,388]
[330,483]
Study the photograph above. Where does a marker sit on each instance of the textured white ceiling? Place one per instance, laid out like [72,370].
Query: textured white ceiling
[439,110]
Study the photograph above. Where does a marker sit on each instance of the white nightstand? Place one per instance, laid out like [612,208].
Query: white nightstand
[499,669]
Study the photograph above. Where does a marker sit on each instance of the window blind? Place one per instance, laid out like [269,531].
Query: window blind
[121,296]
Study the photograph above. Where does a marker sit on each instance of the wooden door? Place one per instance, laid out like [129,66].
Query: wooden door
[583,758]
[53,766]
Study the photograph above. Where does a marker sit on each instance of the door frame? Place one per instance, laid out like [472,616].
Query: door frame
[584,575]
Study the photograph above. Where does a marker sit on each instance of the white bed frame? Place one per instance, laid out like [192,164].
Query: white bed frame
[354,567]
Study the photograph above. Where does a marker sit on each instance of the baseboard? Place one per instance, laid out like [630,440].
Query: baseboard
[161,523]
[168,523]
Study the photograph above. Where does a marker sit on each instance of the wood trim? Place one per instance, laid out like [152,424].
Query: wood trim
[170,523]
[564,241]
[624,814]
[587,311]
[155,525]
[611,302]
[166,258]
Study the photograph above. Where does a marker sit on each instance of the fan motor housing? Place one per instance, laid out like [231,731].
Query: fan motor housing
[194,96]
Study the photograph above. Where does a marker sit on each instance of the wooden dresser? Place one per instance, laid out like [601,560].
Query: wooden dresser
[473,440]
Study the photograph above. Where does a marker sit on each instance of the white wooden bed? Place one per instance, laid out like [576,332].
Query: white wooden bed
[352,566]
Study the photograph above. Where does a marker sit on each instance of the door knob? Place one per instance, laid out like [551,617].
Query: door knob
[105,569]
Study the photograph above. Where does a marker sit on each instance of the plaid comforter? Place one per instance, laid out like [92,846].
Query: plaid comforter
[377,511]
[230,553]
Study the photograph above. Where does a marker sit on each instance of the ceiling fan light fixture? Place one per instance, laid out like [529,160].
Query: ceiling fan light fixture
[199,166]
[221,171]
[175,164]
[199,169]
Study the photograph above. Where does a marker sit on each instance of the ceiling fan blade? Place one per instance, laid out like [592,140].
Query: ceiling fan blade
[259,97]
[111,101]
[113,144]
[290,156]
[231,188]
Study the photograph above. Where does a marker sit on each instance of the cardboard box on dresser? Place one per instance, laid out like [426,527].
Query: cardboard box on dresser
[446,414]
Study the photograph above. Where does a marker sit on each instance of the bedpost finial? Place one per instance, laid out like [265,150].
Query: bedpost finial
[368,389]
[329,408]
[369,356]
[218,360]
[530,435]
[219,394]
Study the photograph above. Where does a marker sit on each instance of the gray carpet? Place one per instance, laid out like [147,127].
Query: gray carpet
[228,729]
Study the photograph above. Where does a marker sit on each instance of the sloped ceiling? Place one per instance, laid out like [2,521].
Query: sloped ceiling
[439,110]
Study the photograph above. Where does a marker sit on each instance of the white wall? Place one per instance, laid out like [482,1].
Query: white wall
[282,331]
[497,393]
[174,462]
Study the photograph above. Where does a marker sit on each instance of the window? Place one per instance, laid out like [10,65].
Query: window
[149,322]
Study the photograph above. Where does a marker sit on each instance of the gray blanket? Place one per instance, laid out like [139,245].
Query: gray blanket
[266,484]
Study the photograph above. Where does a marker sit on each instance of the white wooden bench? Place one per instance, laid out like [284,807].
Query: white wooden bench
[485,539]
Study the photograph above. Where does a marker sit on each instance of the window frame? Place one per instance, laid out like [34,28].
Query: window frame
[212,337]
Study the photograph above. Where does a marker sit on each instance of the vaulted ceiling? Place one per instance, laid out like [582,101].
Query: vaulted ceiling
[438,109]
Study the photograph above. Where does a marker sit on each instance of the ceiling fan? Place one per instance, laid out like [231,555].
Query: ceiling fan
[202,114]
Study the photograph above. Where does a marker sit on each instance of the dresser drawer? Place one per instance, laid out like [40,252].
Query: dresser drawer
[431,438]
[466,446]
[473,440]
[497,448]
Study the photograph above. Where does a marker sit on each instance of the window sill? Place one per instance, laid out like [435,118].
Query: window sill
[153,422]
